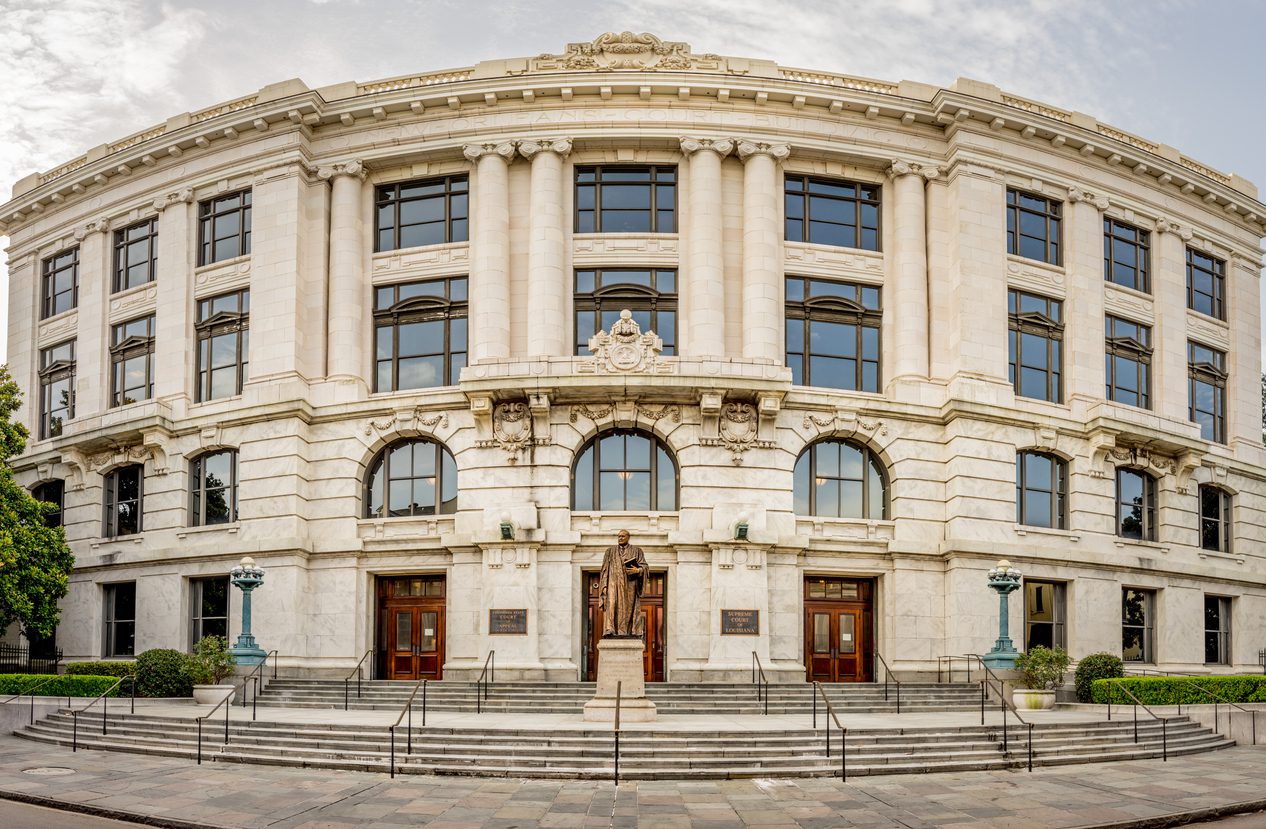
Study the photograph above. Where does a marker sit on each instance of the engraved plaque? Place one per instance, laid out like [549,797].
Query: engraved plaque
[740,622]
[507,622]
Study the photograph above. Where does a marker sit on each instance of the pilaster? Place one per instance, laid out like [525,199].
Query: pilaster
[173,319]
[1169,339]
[704,275]
[547,253]
[490,250]
[1083,307]
[92,387]
[348,285]
[1243,291]
[762,251]
[23,351]
[906,302]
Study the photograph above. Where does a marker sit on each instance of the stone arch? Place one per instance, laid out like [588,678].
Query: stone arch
[816,475]
[414,471]
[588,459]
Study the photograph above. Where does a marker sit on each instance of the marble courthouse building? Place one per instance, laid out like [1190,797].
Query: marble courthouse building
[829,347]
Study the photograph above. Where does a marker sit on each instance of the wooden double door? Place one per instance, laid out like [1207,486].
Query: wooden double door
[411,627]
[839,628]
[653,606]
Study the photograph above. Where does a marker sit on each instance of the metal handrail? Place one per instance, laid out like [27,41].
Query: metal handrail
[31,691]
[941,660]
[889,675]
[1164,721]
[408,707]
[105,710]
[830,715]
[759,680]
[1006,705]
[1216,700]
[484,681]
[257,680]
[357,673]
[224,701]
[619,687]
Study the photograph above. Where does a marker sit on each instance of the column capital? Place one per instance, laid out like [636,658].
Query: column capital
[184,196]
[352,168]
[721,146]
[504,150]
[1077,195]
[1164,225]
[99,225]
[747,149]
[901,167]
[559,146]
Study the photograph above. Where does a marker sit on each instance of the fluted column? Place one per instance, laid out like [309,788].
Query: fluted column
[762,251]
[348,287]
[705,265]
[547,281]
[908,298]
[490,251]
[173,321]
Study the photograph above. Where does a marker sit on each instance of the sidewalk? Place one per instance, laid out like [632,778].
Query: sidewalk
[178,793]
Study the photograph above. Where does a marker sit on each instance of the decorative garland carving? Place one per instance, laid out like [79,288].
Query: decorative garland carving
[592,414]
[406,419]
[738,429]
[670,411]
[811,420]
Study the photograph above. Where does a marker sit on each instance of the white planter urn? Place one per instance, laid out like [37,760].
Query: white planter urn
[1027,699]
[212,694]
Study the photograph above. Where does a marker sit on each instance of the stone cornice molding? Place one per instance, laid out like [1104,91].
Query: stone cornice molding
[748,149]
[1076,195]
[99,225]
[901,167]
[505,150]
[353,168]
[183,196]
[559,146]
[721,146]
[1164,225]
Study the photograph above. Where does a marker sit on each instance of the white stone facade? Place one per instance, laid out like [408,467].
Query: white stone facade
[946,422]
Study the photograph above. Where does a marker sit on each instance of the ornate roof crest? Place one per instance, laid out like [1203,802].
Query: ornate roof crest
[625,349]
[627,50]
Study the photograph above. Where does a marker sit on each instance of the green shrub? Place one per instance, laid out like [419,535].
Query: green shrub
[163,673]
[110,668]
[1095,666]
[1170,690]
[1043,667]
[61,686]
[211,661]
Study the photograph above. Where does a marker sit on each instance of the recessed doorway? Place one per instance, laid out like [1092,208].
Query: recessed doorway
[839,624]
[411,627]
[653,605]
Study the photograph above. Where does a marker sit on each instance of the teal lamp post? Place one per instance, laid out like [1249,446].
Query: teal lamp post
[247,577]
[1004,580]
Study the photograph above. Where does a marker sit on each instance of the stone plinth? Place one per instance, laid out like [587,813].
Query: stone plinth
[620,661]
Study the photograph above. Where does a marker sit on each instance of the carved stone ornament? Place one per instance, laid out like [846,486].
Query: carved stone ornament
[512,430]
[100,225]
[624,349]
[504,150]
[184,196]
[1164,225]
[748,149]
[843,422]
[1076,194]
[559,146]
[407,419]
[901,167]
[626,50]
[353,169]
[738,429]
[721,146]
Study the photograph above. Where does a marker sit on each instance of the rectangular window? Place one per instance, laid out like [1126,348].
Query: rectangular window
[650,295]
[1206,284]
[213,488]
[124,500]
[1215,519]
[1126,255]
[135,255]
[1206,391]
[624,199]
[1043,614]
[833,333]
[432,211]
[419,334]
[1033,226]
[223,328]
[224,227]
[1137,625]
[1136,504]
[57,388]
[1127,362]
[1217,630]
[120,619]
[1036,346]
[132,361]
[832,212]
[209,608]
[60,283]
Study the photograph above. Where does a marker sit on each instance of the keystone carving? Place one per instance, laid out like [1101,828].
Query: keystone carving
[512,430]
[626,50]
[738,430]
[625,350]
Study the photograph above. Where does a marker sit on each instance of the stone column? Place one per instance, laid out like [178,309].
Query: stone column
[704,266]
[547,254]
[173,320]
[762,251]
[1083,307]
[1169,336]
[1243,294]
[92,357]
[348,286]
[490,250]
[23,353]
[908,254]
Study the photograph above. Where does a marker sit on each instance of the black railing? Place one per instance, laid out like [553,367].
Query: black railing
[18,659]
[485,679]
[1220,700]
[407,709]
[1164,721]
[888,676]
[104,699]
[256,678]
[619,687]
[357,672]
[224,702]
[818,690]
[31,691]
[945,667]
[1008,708]
[759,680]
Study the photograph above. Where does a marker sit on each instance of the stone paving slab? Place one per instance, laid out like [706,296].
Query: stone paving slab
[180,794]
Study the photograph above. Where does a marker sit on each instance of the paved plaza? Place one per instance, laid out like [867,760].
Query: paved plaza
[178,793]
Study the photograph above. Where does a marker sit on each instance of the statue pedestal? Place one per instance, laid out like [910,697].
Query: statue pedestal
[620,660]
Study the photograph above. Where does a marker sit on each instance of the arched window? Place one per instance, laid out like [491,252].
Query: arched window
[213,488]
[1136,504]
[1041,486]
[411,477]
[838,479]
[1215,519]
[51,492]
[625,470]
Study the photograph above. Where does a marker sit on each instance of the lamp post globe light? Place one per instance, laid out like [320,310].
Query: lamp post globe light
[246,576]
[1005,580]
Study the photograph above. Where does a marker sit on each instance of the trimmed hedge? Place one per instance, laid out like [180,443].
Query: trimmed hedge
[62,686]
[164,673]
[1166,690]
[1096,666]
[110,668]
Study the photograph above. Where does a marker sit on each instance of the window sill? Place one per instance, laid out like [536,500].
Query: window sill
[122,539]
[1208,319]
[124,294]
[1127,291]
[229,529]
[1209,554]
[1025,529]
[1017,259]
[199,403]
[58,318]
[223,263]
[1146,545]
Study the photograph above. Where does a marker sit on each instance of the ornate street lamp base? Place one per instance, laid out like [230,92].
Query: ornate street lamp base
[246,652]
[1002,656]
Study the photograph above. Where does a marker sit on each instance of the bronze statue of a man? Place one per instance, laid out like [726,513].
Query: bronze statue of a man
[624,575]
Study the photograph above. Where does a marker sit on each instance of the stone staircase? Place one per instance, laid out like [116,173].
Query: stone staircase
[644,754]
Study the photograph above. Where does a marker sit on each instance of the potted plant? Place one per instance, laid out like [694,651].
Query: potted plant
[1043,670]
[210,665]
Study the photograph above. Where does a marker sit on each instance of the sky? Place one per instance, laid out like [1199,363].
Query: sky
[78,73]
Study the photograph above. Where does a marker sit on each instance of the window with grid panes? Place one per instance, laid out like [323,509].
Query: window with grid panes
[833,333]
[420,334]
[60,283]
[1206,390]
[1127,255]
[1217,630]
[213,488]
[411,477]
[1136,504]
[1206,284]
[1041,487]
[120,619]
[132,361]
[124,501]
[209,605]
[1137,625]
[54,493]
[431,211]
[1215,519]
[223,329]
[626,199]
[224,227]
[625,469]
[1033,226]
[57,388]
[1036,346]
[135,255]
[1127,362]
[840,479]
[651,296]
[831,212]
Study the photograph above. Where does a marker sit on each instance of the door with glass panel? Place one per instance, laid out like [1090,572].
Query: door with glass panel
[411,627]
[838,628]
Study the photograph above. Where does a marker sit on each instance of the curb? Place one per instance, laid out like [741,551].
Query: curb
[101,812]
[1209,813]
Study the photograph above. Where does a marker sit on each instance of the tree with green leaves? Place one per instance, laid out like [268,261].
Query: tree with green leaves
[35,562]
